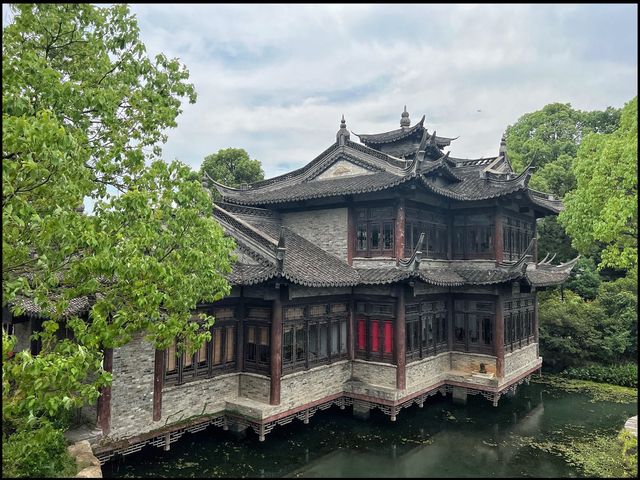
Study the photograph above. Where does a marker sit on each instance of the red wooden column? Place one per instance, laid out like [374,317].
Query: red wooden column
[399,228]
[498,235]
[158,379]
[400,339]
[276,346]
[104,401]
[498,345]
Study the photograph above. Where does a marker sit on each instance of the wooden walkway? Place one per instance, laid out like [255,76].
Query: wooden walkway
[632,426]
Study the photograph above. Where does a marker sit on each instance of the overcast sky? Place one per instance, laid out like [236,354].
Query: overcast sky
[275,79]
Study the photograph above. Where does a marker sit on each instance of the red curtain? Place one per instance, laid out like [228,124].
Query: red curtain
[374,336]
[388,337]
[361,334]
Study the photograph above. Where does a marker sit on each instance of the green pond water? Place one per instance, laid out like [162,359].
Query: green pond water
[440,440]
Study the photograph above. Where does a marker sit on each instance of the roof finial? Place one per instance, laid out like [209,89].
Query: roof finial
[404,118]
[343,134]
[503,145]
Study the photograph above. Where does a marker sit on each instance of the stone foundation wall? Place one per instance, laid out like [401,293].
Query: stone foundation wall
[325,228]
[299,388]
[254,386]
[428,371]
[470,362]
[206,396]
[374,373]
[520,360]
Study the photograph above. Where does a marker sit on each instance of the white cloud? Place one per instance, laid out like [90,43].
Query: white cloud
[275,79]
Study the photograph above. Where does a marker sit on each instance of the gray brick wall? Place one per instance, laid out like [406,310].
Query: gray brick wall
[255,387]
[132,389]
[299,388]
[325,228]
[426,372]
[374,373]
[520,360]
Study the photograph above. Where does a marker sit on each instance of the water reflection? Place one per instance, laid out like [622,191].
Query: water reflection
[440,440]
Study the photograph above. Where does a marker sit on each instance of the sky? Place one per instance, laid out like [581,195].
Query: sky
[276,79]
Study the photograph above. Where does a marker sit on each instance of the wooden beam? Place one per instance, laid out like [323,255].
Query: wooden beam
[498,339]
[400,339]
[158,380]
[276,346]
[399,229]
[104,401]
[536,325]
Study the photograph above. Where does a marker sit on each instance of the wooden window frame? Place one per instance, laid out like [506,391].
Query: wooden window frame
[323,317]
[433,224]
[418,314]
[205,368]
[366,220]
[465,229]
[518,313]
[471,311]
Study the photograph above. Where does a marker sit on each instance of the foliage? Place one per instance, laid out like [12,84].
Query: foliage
[629,453]
[232,167]
[84,110]
[553,240]
[554,133]
[38,451]
[625,375]
[555,177]
[599,392]
[584,279]
[575,332]
[603,209]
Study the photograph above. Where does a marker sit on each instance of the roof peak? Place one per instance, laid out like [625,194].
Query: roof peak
[404,118]
[343,134]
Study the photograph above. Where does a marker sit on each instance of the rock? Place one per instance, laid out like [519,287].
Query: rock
[90,472]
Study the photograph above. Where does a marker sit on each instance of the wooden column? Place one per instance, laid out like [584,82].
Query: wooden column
[158,378]
[104,401]
[400,339]
[241,312]
[498,345]
[399,229]
[276,345]
[351,328]
[498,234]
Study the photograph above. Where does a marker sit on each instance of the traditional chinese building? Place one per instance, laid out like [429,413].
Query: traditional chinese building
[376,275]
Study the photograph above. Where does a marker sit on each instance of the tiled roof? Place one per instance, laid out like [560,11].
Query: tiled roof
[77,306]
[399,134]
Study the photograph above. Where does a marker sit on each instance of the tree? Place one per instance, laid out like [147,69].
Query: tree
[602,212]
[232,167]
[551,137]
[84,111]
[545,135]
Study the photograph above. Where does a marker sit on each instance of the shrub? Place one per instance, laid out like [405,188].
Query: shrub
[36,452]
[625,375]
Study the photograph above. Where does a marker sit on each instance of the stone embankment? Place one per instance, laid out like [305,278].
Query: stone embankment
[88,465]
[632,426]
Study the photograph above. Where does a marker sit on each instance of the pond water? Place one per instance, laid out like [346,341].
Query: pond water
[440,440]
